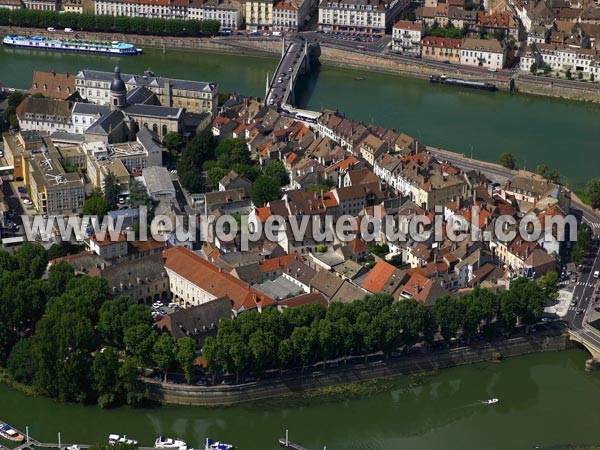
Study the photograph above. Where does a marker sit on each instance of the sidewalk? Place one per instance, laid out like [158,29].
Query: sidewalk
[562,304]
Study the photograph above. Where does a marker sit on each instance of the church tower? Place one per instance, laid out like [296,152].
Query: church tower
[118,91]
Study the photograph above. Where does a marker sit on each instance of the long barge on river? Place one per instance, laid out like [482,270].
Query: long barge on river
[443,79]
[69,45]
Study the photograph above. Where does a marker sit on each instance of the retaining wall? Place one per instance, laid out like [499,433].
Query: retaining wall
[218,395]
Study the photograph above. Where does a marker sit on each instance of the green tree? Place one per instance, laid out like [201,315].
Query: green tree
[568,74]
[214,175]
[542,170]
[264,190]
[508,160]
[583,243]
[163,353]
[549,284]
[593,192]
[547,69]
[200,149]
[59,276]
[533,68]
[111,191]
[96,205]
[21,364]
[15,99]
[32,259]
[278,171]
[139,341]
[230,152]
[185,356]
[138,196]
[131,385]
[449,314]
[263,351]
[580,75]
[105,377]
[173,142]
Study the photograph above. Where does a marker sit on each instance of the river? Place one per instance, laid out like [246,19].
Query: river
[561,134]
[546,400]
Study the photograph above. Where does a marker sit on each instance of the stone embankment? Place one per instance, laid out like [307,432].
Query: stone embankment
[343,375]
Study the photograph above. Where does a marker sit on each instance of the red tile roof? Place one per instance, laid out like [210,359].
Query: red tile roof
[210,278]
[378,276]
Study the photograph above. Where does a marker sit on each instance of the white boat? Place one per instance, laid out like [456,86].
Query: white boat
[164,442]
[216,445]
[491,401]
[117,439]
[40,42]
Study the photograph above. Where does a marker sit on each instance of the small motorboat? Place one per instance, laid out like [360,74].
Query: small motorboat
[491,401]
[164,442]
[117,439]
[216,445]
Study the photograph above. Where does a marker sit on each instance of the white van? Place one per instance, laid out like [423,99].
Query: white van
[277,33]
[68,30]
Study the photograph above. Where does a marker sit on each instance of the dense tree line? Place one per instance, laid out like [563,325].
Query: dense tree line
[109,24]
[68,339]
[297,337]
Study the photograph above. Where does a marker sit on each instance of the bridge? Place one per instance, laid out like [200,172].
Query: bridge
[295,60]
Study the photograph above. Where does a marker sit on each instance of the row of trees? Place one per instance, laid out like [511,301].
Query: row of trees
[309,334]
[68,339]
[593,192]
[109,24]
[204,161]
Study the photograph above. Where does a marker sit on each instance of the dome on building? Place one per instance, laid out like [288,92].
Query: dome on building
[117,84]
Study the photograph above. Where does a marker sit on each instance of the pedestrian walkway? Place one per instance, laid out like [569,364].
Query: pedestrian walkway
[562,305]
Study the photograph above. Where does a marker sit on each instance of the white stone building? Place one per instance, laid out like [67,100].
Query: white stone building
[406,36]
[161,9]
[229,13]
[561,58]
[371,16]
[482,53]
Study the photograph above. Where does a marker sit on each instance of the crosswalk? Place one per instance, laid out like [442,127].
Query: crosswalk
[585,284]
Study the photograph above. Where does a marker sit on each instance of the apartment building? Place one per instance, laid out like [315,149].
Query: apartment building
[36,160]
[229,13]
[45,114]
[441,49]
[406,36]
[367,16]
[259,14]
[159,9]
[562,58]
[487,53]
[290,15]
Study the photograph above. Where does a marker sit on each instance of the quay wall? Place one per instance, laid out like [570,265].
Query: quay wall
[342,375]
[562,90]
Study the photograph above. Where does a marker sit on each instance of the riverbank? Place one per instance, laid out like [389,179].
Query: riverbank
[337,56]
[298,384]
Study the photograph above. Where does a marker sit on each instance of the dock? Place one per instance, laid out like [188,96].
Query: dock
[285,443]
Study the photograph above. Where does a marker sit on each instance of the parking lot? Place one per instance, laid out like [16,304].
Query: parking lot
[162,308]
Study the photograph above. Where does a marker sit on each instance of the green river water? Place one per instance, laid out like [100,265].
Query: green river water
[563,135]
[546,400]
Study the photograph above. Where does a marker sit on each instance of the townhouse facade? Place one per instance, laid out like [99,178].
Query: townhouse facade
[406,36]
[157,9]
[372,16]
[482,53]
[562,59]
[441,49]
[229,13]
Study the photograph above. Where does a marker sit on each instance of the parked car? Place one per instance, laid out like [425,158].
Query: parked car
[22,190]
[597,274]
[51,29]
[69,30]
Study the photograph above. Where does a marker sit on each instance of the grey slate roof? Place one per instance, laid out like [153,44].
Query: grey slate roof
[90,108]
[149,140]
[107,122]
[165,112]
[139,95]
[147,79]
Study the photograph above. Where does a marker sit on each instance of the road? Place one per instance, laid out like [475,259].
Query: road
[282,83]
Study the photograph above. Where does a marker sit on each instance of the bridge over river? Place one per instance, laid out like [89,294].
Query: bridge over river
[295,60]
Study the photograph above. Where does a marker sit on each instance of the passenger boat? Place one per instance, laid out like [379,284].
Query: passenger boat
[443,79]
[216,445]
[164,442]
[8,432]
[117,439]
[69,45]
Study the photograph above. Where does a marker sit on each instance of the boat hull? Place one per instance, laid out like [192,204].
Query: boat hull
[462,83]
